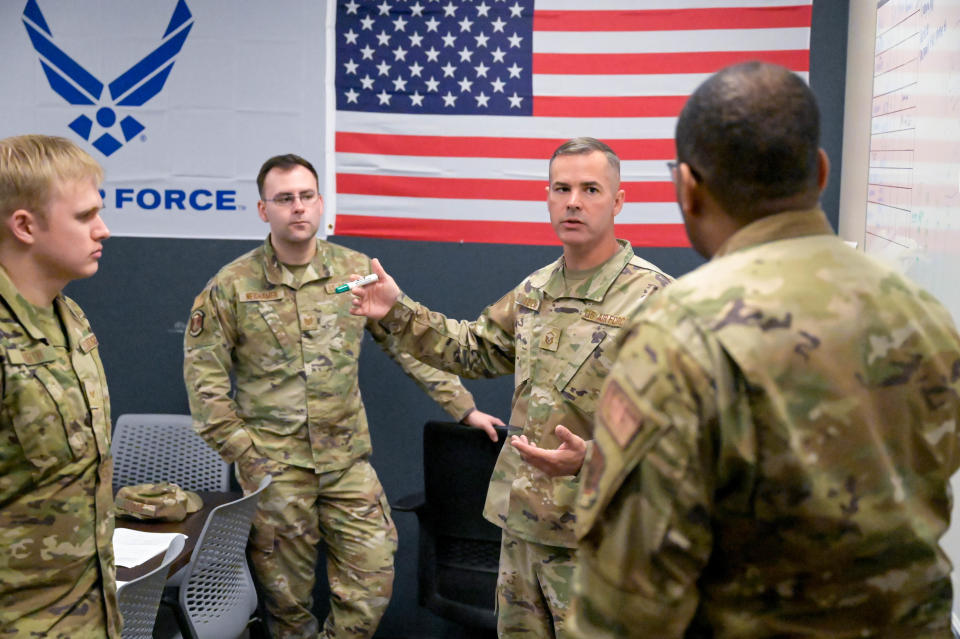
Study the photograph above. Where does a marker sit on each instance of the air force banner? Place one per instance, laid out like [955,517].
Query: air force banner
[179,100]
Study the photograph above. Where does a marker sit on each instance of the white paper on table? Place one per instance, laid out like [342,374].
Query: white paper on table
[133,547]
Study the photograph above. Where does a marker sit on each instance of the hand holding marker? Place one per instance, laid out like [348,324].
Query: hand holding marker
[363,281]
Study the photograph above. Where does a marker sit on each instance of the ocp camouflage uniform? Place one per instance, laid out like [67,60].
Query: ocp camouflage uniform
[57,573]
[297,415]
[558,341]
[773,453]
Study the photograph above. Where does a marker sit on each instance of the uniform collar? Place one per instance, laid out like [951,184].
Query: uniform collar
[27,314]
[277,274]
[554,284]
[780,226]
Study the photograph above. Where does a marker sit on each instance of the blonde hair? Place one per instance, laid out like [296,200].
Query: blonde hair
[33,166]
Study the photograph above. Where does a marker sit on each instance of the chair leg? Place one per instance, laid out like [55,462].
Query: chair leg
[257,629]
[183,624]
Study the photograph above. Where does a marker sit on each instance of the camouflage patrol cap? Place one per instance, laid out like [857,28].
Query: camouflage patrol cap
[162,501]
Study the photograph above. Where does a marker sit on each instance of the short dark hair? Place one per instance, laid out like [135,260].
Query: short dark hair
[751,132]
[284,163]
[584,145]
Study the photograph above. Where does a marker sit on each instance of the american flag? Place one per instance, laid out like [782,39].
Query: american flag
[447,110]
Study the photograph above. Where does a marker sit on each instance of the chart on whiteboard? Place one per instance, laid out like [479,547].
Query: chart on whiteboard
[913,201]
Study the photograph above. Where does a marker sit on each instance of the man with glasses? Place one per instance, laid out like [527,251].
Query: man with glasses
[556,332]
[775,442]
[274,319]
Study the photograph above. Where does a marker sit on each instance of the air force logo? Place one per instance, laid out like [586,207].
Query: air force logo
[133,88]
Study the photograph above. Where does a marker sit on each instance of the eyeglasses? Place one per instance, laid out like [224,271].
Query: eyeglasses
[287,199]
[673,164]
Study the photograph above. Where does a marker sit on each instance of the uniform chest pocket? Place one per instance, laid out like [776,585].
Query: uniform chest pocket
[586,364]
[345,332]
[334,332]
[331,350]
[267,342]
[48,417]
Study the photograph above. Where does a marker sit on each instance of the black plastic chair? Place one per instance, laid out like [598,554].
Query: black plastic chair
[459,549]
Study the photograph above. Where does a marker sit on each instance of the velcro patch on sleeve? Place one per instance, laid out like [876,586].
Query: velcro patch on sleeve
[196,323]
[619,415]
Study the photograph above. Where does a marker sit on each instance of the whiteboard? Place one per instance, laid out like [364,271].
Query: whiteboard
[913,194]
[913,199]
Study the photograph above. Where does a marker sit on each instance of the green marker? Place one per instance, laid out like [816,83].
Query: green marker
[363,281]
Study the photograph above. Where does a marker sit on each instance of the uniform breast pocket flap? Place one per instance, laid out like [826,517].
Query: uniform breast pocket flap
[584,347]
[42,412]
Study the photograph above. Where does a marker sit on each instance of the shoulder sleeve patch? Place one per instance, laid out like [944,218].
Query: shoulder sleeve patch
[196,323]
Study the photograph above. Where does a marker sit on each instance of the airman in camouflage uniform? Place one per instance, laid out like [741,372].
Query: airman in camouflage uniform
[57,573]
[555,332]
[273,317]
[776,438]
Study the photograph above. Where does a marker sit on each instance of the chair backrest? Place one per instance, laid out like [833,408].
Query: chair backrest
[139,599]
[457,463]
[217,594]
[459,549]
[159,447]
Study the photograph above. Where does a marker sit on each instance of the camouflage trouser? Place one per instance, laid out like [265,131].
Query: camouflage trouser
[346,509]
[85,620]
[533,589]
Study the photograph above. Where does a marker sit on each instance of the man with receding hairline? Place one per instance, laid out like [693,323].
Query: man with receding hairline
[555,332]
[775,441]
[57,573]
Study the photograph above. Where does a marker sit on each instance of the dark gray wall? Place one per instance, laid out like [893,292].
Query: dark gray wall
[139,301]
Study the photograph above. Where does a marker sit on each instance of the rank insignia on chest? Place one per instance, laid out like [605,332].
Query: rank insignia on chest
[91,391]
[308,322]
[196,323]
[550,340]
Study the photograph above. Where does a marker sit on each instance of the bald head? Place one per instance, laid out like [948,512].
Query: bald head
[751,132]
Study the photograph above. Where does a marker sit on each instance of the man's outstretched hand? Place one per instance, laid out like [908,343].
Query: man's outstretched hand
[556,462]
[374,300]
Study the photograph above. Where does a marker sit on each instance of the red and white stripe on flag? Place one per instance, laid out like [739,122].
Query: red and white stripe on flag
[470,168]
